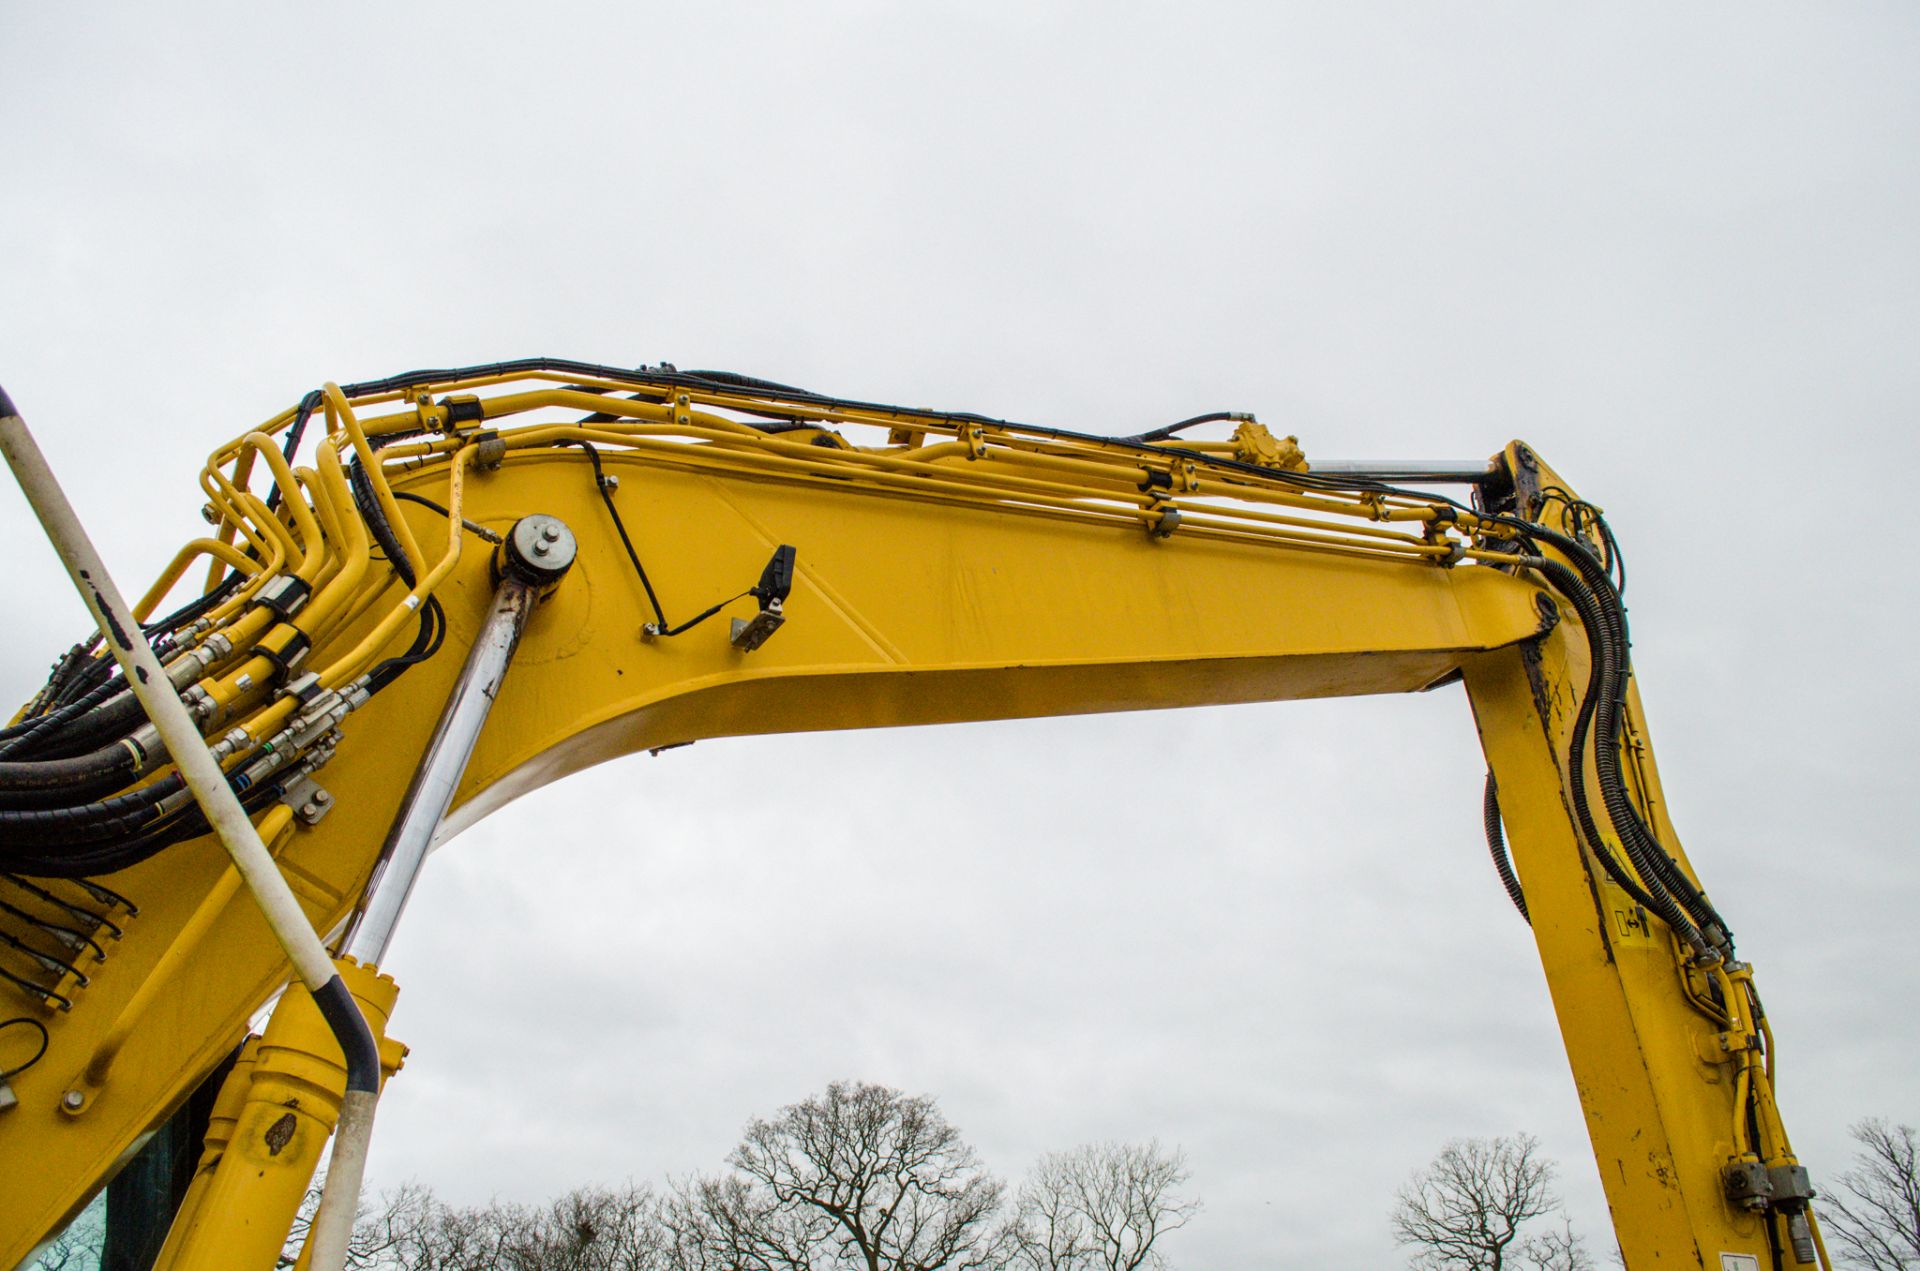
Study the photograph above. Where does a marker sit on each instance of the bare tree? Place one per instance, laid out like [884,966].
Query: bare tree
[378,1229]
[78,1248]
[1102,1207]
[861,1177]
[1874,1215]
[588,1229]
[1467,1208]
[728,1224]
[1561,1250]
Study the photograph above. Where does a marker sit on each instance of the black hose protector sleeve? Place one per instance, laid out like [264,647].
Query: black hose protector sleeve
[1599,632]
[112,717]
[29,779]
[89,822]
[351,1030]
[1643,846]
[90,673]
[1497,845]
[21,736]
[376,519]
[85,862]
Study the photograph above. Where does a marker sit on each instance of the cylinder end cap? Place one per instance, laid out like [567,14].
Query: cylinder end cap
[538,551]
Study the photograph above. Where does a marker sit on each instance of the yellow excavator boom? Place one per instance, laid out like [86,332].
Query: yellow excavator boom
[662,557]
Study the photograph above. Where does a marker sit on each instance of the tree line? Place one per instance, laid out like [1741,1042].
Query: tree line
[861,1177]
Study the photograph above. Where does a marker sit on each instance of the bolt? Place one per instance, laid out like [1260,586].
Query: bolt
[542,549]
[550,533]
[73,1101]
[609,484]
[310,809]
[322,798]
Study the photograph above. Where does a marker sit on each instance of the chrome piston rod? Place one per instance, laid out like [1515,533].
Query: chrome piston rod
[535,556]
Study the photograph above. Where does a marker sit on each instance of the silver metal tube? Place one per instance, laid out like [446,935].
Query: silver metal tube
[439,773]
[1447,471]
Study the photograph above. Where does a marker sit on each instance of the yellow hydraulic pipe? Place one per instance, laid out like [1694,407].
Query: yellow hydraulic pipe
[341,421]
[221,552]
[363,654]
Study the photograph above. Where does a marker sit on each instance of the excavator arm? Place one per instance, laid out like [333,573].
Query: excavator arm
[660,557]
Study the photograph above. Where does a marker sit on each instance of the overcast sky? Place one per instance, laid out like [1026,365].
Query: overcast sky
[1673,247]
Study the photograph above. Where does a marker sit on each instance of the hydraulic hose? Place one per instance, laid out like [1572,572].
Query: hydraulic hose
[20,737]
[1605,710]
[39,783]
[1647,891]
[114,712]
[1497,845]
[94,822]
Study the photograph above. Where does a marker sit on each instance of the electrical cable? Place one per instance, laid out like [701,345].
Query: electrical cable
[602,484]
[701,617]
[479,531]
[9,1073]
[427,640]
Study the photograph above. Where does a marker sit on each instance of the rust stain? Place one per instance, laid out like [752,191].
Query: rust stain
[280,1133]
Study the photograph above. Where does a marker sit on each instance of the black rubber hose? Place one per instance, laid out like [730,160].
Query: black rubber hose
[1600,640]
[197,607]
[93,672]
[21,737]
[376,519]
[113,717]
[308,404]
[66,666]
[1170,430]
[55,781]
[85,863]
[1497,844]
[1605,708]
[99,821]
[427,640]
[1642,846]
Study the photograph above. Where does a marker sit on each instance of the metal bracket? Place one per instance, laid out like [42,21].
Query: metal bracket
[309,800]
[490,451]
[750,633]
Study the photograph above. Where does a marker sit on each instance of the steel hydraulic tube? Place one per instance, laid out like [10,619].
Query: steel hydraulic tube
[536,554]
